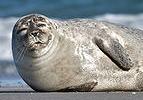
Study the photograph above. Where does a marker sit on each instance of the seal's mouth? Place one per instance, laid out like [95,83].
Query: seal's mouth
[37,46]
[38,41]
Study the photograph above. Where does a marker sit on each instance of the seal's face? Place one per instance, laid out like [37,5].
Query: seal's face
[34,33]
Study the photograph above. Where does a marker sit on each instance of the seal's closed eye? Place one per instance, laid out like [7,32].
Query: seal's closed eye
[20,30]
[41,25]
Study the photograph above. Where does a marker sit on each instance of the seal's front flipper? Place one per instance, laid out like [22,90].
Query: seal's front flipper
[87,87]
[114,50]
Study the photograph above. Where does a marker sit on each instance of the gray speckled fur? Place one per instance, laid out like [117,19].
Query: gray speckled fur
[88,51]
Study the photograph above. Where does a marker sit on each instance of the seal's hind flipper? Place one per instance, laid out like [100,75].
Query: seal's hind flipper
[87,87]
[114,50]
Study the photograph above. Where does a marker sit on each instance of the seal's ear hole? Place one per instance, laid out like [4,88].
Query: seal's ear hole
[50,28]
[50,37]
[27,24]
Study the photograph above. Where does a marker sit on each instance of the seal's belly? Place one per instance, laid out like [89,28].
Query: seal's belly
[54,75]
[58,72]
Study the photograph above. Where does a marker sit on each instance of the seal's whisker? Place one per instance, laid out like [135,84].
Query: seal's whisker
[18,52]
[20,55]
[19,48]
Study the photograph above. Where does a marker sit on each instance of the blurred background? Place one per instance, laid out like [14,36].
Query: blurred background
[127,12]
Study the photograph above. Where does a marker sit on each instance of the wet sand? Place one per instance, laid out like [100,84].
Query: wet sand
[29,94]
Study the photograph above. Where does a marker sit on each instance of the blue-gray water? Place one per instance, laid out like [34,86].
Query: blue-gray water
[69,8]
[127,12]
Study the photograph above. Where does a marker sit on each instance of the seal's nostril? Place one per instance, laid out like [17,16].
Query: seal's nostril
[34,34]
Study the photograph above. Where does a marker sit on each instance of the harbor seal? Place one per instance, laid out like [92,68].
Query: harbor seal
[77,54]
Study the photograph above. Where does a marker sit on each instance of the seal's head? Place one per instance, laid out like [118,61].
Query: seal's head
[33,35]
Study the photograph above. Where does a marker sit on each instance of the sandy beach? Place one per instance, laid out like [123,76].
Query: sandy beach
[29,94]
